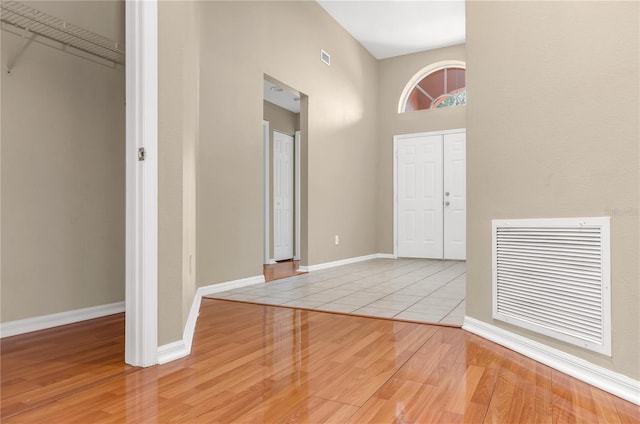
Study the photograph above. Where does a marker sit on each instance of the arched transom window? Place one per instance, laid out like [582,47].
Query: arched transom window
[436,86]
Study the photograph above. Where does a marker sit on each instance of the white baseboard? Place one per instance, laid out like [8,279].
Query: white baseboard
[181,348]
[13,328]
[172,351]
[347,261]
[607,380]
[230,285]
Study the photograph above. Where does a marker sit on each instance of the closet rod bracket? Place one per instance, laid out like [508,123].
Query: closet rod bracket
[26,40]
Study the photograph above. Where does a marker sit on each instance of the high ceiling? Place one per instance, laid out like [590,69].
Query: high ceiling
[390,28]
[387,28]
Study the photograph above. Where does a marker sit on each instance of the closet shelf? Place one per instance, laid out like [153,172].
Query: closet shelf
[37,22]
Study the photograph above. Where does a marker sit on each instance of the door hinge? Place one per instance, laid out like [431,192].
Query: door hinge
[142,154]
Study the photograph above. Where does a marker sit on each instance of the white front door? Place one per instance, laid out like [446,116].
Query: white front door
[282,196]
[430,209]
[455,199]
[419,196]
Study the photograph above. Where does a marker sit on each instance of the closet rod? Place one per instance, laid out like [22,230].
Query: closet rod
[40,23]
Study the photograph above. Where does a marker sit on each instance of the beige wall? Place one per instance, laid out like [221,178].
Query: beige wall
[394,74]
[63,174]
[285,121]
[341,154]
[552,131]
[178,81]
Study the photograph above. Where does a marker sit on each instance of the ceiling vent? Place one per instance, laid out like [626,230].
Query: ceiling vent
[325,57]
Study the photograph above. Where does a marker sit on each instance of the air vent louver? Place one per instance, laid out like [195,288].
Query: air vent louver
[325,57]
[552,276]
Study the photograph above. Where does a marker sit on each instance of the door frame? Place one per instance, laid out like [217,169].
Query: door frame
[266,197]
[396,140]
[141,240]
[297,195]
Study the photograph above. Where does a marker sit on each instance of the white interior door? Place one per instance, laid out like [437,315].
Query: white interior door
[419,197]
[282,196]
[455,199]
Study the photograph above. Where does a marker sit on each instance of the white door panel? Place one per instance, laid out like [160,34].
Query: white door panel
[420,197]
[455,196]
[282,196]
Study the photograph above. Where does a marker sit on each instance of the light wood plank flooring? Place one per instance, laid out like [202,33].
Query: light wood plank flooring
[40,367]
[257,364]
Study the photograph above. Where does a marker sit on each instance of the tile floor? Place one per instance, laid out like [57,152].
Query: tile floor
[422,290]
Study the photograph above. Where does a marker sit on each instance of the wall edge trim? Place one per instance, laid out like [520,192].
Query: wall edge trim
[181,348]
[610,381]
[43,322]
[386,256]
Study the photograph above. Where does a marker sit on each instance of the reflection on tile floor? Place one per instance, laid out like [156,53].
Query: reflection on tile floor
[422,290]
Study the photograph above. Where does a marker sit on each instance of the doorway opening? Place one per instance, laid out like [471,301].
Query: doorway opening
[284,188]
[281,269]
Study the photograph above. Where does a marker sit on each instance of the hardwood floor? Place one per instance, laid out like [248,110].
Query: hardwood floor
[256,364]
[41,367]
[281,270]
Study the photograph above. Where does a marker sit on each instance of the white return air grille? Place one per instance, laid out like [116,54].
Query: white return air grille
[551,276]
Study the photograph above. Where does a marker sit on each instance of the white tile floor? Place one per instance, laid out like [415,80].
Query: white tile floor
[413,289]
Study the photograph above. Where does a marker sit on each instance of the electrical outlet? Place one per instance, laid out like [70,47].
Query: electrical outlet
[337,240]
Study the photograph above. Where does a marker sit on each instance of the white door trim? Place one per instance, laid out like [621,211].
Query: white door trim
[296,164]
[396,139]
[141,250]
[266,165]
[395,195]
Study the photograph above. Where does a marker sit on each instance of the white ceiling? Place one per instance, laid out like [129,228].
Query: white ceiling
[390,28]
[280,96]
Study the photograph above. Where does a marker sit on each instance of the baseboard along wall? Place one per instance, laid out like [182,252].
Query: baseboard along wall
[347,261]
[602,378]
[43,322]
[181,348]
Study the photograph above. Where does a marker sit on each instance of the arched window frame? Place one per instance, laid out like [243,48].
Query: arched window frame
[434,67]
